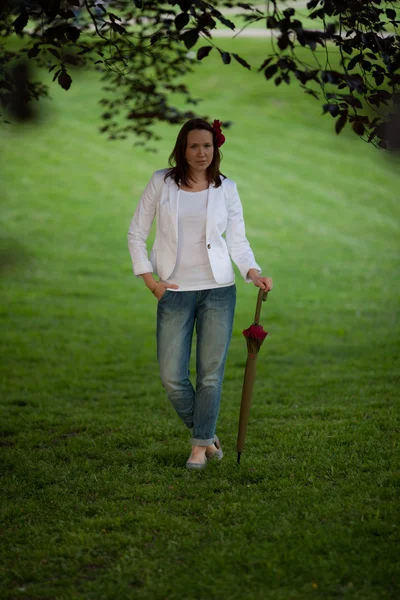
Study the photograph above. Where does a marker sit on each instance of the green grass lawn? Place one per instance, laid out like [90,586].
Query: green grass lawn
[96,501]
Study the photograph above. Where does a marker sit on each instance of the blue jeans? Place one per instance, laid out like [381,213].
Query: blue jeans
[177,313]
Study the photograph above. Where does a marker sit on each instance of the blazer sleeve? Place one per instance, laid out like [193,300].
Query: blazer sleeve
[238,245]
[141,223]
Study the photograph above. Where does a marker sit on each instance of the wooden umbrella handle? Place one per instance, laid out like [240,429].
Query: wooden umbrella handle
[262,296]
[247,394]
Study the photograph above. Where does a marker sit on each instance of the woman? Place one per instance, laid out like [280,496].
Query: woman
[194,205]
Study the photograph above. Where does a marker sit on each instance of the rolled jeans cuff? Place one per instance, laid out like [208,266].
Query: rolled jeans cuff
[195,442]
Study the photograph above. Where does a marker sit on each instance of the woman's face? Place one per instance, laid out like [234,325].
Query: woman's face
[199,149]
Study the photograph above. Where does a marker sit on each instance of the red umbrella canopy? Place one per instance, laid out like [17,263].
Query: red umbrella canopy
[255,335]
[255,332]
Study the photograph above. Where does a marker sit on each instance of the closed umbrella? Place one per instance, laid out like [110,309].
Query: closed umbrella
[255,335]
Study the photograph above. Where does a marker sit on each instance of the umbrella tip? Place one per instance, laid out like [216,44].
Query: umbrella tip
[238,458]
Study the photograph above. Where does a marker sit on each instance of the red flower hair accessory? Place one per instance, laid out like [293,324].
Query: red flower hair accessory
[220,136]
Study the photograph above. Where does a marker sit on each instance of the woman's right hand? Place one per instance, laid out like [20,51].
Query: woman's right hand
[161,288]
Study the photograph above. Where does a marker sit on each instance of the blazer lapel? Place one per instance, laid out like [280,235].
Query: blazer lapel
[213,196]
[173,204]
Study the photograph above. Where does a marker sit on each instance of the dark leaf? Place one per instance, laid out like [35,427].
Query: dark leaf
[34,51]
[241,61]
[372,135]
[56,74]
[340,123]
[352,100]
[283,41]
[206,22]
[354,61]
[265,63]
[72,33]
[284,62]
[156,38]
[64,80]
[347,48]
[331,77]
[118,28]
[391,14]
[226,57]
[374,99]
[203,52]
[356,82]
[312,93]
[385,94]
[272,23]
[333,109]
[223,20]
[190,37]
[301,76]
[296,25]
[312,4]
[181,20]
[270,71]
[289,12]
[211,24]
[21,22]
[358,128]
[278,81]
[330,30]
[366,65]
[305,76]
[317,14]
[51,9]
[54,52]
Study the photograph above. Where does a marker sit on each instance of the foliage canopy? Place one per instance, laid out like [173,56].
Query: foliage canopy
[143,52]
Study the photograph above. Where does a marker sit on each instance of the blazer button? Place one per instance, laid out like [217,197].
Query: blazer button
[208,246]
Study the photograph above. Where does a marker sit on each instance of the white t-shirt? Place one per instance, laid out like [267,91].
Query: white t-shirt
[192,270]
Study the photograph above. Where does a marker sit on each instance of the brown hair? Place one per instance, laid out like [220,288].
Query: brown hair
[179,170]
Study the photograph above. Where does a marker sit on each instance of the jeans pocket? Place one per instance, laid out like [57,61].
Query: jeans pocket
[163,296]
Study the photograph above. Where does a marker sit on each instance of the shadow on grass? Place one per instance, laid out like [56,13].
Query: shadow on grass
[13,256]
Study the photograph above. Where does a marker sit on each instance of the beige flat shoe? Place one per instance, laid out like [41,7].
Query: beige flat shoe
[216,455]
[191,465]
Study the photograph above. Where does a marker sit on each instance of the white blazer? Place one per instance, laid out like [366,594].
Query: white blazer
[224,216]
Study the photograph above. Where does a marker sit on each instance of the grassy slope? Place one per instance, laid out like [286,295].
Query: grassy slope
[98,502]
